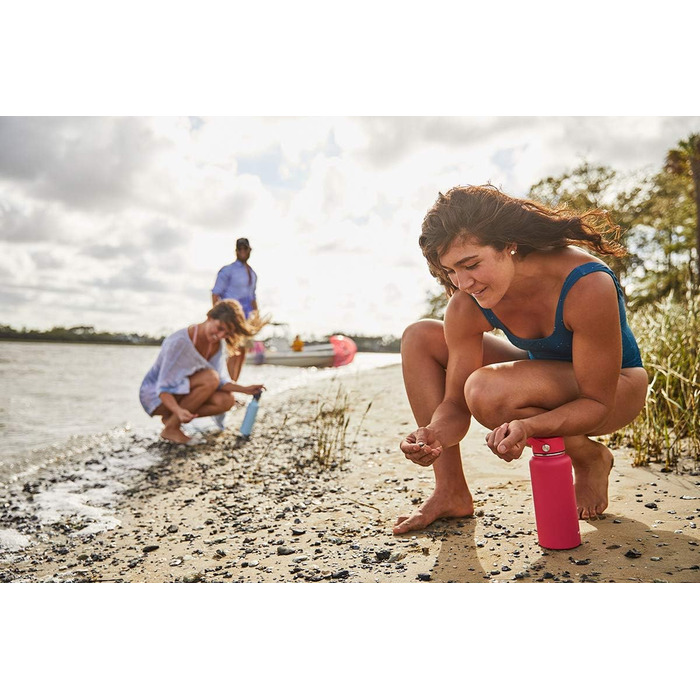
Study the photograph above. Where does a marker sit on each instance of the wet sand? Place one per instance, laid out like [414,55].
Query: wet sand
[266,511]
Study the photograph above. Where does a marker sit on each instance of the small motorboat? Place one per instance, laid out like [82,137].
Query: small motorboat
[340,350]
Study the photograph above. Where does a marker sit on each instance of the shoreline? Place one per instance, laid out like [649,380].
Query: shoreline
[76,413]
[265,510]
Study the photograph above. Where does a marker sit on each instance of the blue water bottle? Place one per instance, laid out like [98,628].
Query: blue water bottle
[249,418]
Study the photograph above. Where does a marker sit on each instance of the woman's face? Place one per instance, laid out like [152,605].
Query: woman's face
[479,270]
[215,330]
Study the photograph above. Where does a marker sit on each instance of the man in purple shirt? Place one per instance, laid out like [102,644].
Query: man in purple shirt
[237,281]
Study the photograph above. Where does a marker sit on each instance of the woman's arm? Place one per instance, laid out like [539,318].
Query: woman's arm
[464,328]
[251,389]
[591,313]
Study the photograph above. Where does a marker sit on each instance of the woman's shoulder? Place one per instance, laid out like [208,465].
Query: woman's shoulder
[566,259]
[572,266]
[463,311]
[579,264]
[591,291]
[558,265]
[178,337]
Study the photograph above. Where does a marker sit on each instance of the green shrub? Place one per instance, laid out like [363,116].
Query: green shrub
[668,429]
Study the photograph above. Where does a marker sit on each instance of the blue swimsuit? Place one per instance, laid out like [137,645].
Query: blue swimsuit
[558,345]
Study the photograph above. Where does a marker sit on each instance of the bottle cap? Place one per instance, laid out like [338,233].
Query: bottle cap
[546,445]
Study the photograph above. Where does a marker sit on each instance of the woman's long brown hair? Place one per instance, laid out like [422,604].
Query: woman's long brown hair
[495,219]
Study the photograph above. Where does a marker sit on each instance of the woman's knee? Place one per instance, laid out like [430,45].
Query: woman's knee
[487,397]
[425,336]
[204,378]
[475,390]
[225,400]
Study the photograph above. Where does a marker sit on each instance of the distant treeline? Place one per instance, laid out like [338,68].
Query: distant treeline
[370,343]
[87,334]
[77,334]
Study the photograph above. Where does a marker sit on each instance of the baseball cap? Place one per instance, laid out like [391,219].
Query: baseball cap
[242,243]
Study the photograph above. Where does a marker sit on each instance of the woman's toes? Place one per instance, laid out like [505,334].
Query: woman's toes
[400,520]
[409,523]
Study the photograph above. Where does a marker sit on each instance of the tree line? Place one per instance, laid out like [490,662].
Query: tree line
[77,334]
[87,334]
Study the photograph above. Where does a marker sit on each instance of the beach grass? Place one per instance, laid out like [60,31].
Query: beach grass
[668,429]
[330,429]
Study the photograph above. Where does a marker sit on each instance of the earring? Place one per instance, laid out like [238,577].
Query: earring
[512,252]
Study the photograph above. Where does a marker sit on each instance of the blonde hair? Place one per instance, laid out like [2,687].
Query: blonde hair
[240,328]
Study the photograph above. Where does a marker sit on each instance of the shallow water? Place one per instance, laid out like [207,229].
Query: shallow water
[61,400]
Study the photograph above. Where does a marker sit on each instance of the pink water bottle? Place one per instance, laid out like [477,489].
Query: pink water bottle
[553,494]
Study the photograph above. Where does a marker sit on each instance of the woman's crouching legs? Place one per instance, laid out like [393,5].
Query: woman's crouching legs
[219,402]
[203,385]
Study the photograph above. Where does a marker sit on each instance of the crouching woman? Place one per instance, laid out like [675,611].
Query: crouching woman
[189,379]
[568,365]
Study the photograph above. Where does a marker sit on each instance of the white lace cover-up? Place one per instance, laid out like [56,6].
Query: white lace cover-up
[177,361]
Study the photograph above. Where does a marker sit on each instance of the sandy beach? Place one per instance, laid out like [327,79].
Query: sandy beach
[265,511]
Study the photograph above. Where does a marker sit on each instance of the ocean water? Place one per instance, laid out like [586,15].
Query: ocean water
[62,400]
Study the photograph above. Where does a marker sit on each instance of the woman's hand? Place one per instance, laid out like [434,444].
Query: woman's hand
[183,415]
[252,389]
[238,389]
[421,447]
[508,440]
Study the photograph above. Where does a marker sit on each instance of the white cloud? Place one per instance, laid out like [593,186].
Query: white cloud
[122,223]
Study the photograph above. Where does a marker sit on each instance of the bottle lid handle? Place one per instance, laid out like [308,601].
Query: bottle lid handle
[546,445]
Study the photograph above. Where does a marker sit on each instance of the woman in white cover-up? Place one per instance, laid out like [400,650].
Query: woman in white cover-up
[189,378]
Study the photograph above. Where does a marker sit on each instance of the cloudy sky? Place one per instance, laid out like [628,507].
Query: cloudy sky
[122,223]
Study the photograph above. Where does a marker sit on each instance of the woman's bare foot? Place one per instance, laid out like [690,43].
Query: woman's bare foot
[437,506]
[175,435]
[592,466]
